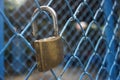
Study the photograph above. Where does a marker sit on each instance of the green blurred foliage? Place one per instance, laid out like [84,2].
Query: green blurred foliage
[13,4]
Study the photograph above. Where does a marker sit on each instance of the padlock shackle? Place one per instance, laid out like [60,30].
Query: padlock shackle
[54,17]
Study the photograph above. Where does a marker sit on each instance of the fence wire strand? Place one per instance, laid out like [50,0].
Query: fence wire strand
[90,32]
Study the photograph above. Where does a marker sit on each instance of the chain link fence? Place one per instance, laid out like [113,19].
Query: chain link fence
[91,33]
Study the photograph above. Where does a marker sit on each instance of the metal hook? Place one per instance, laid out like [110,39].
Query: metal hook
[54,17]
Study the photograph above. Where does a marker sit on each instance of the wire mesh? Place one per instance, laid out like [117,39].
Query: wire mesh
[84,25]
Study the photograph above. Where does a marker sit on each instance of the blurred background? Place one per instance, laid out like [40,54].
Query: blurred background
[91,32]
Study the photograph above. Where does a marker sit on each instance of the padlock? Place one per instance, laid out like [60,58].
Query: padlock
[49,51]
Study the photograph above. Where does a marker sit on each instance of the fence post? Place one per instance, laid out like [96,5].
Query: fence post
[1,41]
[109,34]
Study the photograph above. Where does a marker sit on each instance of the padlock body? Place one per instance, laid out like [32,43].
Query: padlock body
[49,52]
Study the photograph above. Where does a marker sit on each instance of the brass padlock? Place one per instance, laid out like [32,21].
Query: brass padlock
[49,51]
